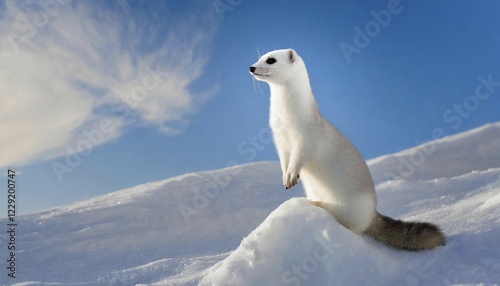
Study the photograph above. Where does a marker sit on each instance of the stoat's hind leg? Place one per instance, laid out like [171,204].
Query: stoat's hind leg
[329,208]
[318,204]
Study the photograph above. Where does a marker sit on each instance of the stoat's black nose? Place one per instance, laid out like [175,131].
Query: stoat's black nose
[252,69]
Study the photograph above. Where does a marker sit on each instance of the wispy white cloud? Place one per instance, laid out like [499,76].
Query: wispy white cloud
[71,68]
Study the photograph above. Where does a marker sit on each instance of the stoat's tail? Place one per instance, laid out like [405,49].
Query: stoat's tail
[405,235]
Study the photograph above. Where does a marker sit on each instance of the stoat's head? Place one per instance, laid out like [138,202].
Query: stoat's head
[278,66]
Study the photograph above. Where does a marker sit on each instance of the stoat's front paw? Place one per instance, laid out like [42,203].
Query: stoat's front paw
[290,179]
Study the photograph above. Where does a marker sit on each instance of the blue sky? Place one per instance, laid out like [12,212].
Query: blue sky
[100,96]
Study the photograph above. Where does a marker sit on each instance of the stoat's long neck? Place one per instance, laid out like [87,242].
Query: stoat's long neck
[293,100]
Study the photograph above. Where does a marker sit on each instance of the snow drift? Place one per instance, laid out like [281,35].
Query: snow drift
[237,226]
[300,244]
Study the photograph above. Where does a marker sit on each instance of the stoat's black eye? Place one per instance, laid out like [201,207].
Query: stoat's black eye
[271,61]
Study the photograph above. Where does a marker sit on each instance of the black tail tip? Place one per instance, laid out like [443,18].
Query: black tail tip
[425,235]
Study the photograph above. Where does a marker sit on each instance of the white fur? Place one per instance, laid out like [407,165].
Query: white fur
[332,171]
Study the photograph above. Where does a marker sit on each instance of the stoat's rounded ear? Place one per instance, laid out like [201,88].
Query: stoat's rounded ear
[291,55]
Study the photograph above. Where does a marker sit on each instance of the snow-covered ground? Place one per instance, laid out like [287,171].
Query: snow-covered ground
[238,226]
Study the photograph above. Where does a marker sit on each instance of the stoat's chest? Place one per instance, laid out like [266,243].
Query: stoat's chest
[291,119]
[284,113]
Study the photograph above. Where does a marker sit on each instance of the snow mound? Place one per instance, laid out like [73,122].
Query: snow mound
[300,244]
